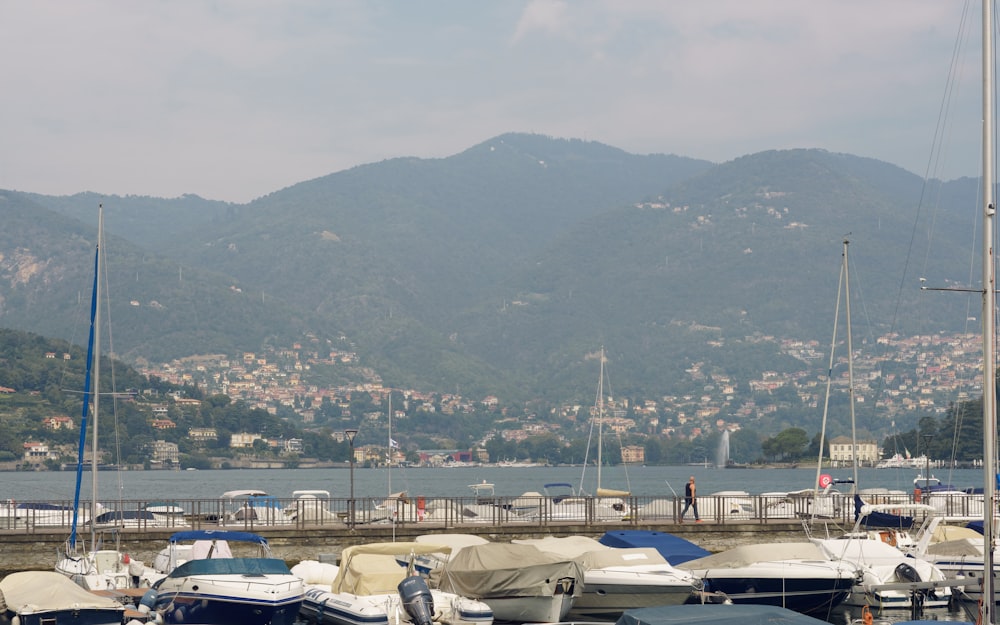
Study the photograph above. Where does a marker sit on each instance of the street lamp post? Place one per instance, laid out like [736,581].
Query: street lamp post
[350,434]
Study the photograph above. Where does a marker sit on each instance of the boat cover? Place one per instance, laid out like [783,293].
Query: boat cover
[621,557]
[453,541]
[374,569]
[716,614]
[748,555]
[959,547]
[880,519]
[674,548]
[507,570]
[33,592]
[593,555]
[566,546]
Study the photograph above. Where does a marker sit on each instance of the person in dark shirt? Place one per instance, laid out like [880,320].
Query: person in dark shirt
[690,500]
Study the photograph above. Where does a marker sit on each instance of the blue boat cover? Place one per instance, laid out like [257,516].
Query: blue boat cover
[716,614]
[232,566]
[244,537]
[881,519]
[675,549]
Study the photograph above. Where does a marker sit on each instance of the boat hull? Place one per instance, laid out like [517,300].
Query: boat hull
[328,608]
[209,608]
[537,609]
[803,595]
[606,601]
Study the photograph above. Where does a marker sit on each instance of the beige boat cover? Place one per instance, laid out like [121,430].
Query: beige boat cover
[496,570]
[611,492]
[34,592]
[960,547]
[373,569]
[749,555]
[953,532]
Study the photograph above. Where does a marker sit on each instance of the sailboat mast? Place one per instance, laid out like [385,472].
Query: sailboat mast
[850,362]
[96,374]
[600,418]
[989,311]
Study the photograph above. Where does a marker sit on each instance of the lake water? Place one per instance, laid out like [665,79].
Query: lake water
[451,482]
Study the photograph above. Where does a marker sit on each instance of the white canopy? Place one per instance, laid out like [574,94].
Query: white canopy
[34,592]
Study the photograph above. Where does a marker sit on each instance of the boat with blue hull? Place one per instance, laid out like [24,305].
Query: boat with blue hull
[226,590]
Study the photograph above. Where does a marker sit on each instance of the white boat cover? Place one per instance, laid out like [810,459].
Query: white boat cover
[749,555]
[621,558]
[496,570]
[594,555]
[454,541]
[567,546]
[33,592]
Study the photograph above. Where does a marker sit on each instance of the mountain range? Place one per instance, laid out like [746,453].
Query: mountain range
[503,269]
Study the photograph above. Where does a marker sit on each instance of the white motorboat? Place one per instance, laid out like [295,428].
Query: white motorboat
[250,507]
[519,582]
[882,568]
[797,576]
[615,580]
[50,598]
[369,587]
[215,587]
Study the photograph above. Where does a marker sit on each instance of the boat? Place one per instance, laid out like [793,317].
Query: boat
[99,568]
[519,582]
[311,506]
[250,507]
[50,598]
[617,579]
[560,501]
[716,614]
[206,583]
[886,576]
[674,549]
[798,576]
[369,587]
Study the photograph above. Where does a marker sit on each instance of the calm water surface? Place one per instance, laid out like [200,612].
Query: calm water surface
[451,482]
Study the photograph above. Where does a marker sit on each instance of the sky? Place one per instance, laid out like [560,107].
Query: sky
[235,99]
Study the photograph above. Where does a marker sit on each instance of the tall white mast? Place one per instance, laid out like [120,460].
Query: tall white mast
[989,312]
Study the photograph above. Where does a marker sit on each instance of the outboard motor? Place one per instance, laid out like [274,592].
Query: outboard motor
[907,573]
[417,599]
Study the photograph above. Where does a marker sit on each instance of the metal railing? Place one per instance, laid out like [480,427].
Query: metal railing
[456,512]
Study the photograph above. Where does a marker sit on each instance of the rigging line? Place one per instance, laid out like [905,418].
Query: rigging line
[618,434]
[829,379]
[114,385]
[945,119]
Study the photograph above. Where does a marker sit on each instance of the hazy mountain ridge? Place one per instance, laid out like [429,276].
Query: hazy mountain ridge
[500,269]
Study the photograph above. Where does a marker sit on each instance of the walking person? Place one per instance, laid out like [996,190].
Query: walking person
[690,500]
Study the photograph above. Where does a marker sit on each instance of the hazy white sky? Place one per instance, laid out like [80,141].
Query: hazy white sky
[233,99]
